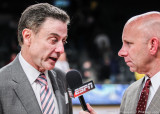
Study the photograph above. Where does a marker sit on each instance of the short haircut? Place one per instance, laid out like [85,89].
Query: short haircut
[34,16]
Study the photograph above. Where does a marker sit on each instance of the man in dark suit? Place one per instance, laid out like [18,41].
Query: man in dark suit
[42,33]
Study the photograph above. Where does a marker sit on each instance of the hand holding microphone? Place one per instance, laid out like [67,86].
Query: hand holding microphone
[74,80]
[91,110]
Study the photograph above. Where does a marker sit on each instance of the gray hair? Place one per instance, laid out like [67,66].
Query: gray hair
[33,17]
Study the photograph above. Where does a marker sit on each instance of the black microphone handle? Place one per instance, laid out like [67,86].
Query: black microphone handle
[83,103]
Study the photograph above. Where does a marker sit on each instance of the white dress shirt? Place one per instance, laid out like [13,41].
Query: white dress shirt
[154,86]
[32,74]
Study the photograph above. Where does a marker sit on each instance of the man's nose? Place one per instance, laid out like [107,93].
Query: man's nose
[122,52]
[60,47]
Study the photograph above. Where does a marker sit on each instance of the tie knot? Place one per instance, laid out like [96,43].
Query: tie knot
[42,79]
[148,83]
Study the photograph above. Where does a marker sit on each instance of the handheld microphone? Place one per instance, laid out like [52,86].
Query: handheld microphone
[77,87]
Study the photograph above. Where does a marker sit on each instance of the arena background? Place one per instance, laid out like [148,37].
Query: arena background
[93,43]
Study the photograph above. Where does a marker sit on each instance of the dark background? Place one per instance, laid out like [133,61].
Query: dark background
[88,19]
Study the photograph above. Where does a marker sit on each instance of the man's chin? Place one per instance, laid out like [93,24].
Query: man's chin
[132,69]
[46,67]
[50,67]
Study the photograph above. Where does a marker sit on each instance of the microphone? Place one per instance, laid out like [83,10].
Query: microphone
[77,87]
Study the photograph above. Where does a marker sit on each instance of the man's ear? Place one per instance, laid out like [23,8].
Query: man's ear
[154,43]
[26,33]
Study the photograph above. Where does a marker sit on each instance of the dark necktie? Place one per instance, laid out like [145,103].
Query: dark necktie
[142,103]
[46,96]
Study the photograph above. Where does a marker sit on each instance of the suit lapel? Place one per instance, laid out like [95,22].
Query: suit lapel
[137,92]
[57,87]
[134,96]
[24,90]
[155,103]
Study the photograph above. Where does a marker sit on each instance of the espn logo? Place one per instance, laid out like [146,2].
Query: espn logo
[84,88]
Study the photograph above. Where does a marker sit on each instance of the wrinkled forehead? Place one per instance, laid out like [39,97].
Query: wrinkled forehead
[130,30]
[134,34]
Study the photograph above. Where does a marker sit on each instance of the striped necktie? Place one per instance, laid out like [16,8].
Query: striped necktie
[46,96]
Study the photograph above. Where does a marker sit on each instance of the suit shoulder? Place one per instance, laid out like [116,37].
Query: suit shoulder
[134,85]
[5,77]
[4,70]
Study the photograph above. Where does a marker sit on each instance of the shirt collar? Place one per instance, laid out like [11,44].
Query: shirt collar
[154,81]
[30,71]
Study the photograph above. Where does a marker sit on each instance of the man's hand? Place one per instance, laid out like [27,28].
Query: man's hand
[91,110]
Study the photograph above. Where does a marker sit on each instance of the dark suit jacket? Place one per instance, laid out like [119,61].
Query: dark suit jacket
[17,95]
[131,97]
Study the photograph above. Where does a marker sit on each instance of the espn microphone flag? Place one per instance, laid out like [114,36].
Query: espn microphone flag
[77,88]
[83,89]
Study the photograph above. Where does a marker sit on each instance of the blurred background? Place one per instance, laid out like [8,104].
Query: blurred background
[93,43]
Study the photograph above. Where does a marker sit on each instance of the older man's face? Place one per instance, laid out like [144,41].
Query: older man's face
[134,49]
[48,44]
